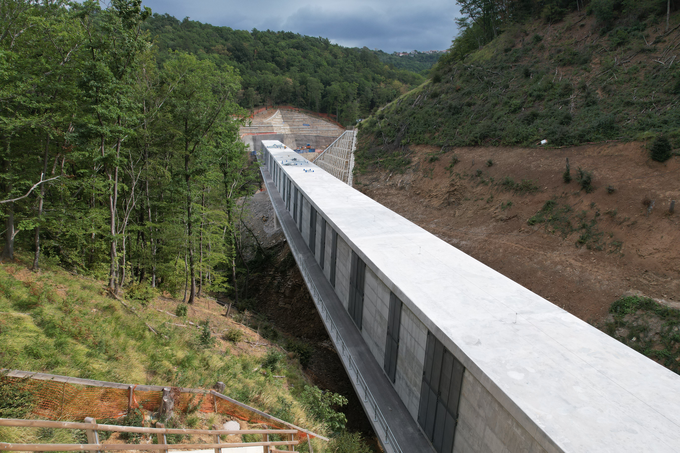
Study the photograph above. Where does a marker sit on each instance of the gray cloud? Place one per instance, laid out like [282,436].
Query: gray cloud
[387,25]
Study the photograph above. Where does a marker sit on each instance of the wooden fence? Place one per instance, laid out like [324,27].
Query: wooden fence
[91,428]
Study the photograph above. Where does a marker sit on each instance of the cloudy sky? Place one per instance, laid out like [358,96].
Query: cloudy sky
[389,25]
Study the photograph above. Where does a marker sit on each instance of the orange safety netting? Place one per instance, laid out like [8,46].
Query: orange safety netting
[57,400]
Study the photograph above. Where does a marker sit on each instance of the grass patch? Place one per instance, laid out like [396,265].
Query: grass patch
[522,187]
[648,327]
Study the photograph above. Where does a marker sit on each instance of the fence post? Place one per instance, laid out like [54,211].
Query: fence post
[218,440]
[309,443]
[265,438]
[131,395]
[92,434]
[292,438]
[162,440]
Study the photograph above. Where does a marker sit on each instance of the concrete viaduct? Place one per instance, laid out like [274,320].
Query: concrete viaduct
[448,355]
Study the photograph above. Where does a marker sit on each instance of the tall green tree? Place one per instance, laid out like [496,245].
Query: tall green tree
[114,45]
[204,97]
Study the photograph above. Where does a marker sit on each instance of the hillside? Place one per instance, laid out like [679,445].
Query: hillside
[55,322]
[582,249]
[288,68]
[587,220]
[570,82]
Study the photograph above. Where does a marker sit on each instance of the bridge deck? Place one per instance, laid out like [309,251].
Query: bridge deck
[569,385]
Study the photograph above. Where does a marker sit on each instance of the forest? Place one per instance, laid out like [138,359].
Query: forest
[420,62]
[116,163]
[288,68]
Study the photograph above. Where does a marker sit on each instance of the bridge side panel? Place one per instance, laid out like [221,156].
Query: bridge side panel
[342,271]
[318,245]
[484,425]
[329,253]
[304,228]
[410,359]
[376,311]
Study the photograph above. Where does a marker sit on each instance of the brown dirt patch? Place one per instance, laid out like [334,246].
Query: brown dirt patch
[476,213]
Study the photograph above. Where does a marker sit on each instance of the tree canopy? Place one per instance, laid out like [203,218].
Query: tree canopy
[288,68]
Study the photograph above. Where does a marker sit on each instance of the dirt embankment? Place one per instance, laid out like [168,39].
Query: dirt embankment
[581,250]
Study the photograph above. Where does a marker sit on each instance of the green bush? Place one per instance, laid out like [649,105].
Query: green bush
[323,407]
[141,292]
[181,310]
[661,149]
[348,443]
[233,335]
[272,360]
[205,337]
[303,351]
[585,180]
[134,418]
[566,176]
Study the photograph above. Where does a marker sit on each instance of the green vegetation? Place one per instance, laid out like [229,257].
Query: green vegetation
[648,327]
[58,323]
[585,180]
[661,149]
[561,219]
[140,155]
[503,83]
[15,402]
[323,405]
[419,62]
[525,186]
[233,335]
[287,68]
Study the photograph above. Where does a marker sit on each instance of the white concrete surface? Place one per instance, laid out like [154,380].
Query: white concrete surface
[572,387]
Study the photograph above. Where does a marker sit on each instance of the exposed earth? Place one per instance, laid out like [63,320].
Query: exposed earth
[583,251]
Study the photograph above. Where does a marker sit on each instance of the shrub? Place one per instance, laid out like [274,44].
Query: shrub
[566,176]
[134,418]
[323,406]
[303,351]
[205,338]
[348,443]
[272,360]
[585,180]
[489,163]
[661,149]
[141,292]
[233,335]
[181,310]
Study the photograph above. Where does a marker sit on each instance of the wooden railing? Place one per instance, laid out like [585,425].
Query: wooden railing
[91,428]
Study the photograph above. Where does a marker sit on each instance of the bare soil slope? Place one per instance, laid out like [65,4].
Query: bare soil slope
[581,251]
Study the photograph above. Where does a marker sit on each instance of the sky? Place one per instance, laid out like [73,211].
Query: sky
[388,25]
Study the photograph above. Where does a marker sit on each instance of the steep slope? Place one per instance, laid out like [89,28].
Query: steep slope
[564,82]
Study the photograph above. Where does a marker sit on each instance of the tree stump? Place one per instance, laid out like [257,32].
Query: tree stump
[167,405]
